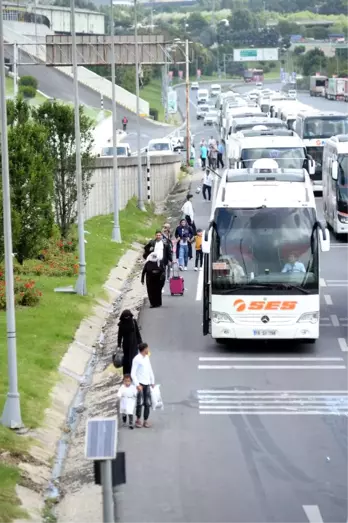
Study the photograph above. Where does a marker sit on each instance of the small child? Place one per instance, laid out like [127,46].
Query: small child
[127,394]
[199,252]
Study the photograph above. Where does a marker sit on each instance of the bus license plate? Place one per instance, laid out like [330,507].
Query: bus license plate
[265,333]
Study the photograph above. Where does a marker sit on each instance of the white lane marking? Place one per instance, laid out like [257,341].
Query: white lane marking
[343,344]
[322,282]
[328,299]
[279,391]
[334,320]
[199,292]
[313,513]
[301,358]
[286,406]
[271,367]
[338,246]
[270,413]
[336,283]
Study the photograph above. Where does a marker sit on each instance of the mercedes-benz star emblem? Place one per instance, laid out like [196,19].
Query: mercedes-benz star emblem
[265,319]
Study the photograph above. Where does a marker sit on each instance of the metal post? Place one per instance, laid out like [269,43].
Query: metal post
[137,89]
[81,285]
[225,65]
[35,29]
[148,177]
[116,231]
[108,498]
[15,70]
[11,416]
[166,87]
[188,141]
[101,102]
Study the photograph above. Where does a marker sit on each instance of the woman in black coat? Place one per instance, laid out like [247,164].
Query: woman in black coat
[128,338]
[154,271]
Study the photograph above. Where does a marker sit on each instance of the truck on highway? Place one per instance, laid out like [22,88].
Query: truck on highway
[317,85]
[215,90]
[314,128]
[335,183]
[335,89]
[281,145]
[202,96]
[261,258]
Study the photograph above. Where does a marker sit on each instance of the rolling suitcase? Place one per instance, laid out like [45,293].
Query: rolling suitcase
[176,282]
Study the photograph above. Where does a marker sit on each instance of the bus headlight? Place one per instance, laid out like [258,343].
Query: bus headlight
[309,317]
[219,317]
[342,219]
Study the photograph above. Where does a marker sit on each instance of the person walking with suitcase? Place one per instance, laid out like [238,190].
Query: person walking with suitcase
[207,185]
[143,378]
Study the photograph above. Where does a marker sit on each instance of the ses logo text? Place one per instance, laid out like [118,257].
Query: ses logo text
[241,305]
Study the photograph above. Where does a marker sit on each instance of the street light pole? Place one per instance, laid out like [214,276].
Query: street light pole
[137,89]
[11,416]
[81,285]
[188,141]
[116,231]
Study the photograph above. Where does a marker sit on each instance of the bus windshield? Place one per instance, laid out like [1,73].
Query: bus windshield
[287,158]
[264,250]
[325,127]
[342,181]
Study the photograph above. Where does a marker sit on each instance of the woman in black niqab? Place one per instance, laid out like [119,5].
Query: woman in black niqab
[128,339]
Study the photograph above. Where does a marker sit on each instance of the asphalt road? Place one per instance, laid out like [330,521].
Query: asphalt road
[60,86]
[226,466]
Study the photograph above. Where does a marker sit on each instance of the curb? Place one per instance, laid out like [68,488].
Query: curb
[75,372]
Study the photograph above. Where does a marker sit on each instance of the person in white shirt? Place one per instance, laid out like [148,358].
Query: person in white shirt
[207,185]
[143,378]
[212,142]
[127,395]
[188,212]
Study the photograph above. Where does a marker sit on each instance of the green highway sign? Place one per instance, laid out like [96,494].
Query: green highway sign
[245,53]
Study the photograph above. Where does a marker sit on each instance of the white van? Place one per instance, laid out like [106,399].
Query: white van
[159,147]
[123,151]
[215,90]
[202,96]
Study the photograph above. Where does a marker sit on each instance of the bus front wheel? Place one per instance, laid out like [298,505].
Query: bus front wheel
[221,341]
[310,341]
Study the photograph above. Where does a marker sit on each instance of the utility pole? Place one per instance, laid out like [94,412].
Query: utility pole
[116,231]
[37,48]
[137,92]
[11,416]
[81,284]
[188,140]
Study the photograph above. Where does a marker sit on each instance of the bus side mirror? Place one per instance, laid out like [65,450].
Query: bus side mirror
[334,170]
[309,165]
[206,242]
[324,240]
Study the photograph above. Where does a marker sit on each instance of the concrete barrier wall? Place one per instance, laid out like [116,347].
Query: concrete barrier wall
[164,172]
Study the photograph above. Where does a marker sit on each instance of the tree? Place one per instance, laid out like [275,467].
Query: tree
[313,61]
[18,111]
[242,19]
[299,49]
[58,119]
[286,28]
[31,182]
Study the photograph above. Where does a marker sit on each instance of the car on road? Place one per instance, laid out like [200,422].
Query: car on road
[292,94]
[211,118]
[259,85]
[123,151]
[202,110]
[158,147]
[194,86]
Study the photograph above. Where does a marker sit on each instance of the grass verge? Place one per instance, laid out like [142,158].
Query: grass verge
[152,93]
[44,333]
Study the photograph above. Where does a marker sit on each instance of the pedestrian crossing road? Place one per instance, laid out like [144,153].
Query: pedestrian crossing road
[238,401]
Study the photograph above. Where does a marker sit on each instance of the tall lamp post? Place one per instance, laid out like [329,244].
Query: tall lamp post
[116,231]
[188,140]
[137,91]
[11,416]
[81,284]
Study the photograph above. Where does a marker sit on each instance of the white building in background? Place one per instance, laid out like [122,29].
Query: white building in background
[59,17]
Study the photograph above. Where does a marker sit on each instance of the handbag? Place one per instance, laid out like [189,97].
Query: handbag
[118,358]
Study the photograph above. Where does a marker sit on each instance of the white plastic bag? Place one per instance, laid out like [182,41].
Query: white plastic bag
[156,398]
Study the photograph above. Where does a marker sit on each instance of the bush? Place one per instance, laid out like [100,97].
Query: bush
[26,294]
[154,113]
[28,81]
[27,91]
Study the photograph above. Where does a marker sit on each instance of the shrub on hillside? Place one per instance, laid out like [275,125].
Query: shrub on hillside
[25,291]
[28,81]
[154,113]
[27,91]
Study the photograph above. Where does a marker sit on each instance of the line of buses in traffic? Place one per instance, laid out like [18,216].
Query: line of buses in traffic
[262,247]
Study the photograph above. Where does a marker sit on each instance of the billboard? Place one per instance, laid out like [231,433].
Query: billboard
[172,102]
[256,55]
